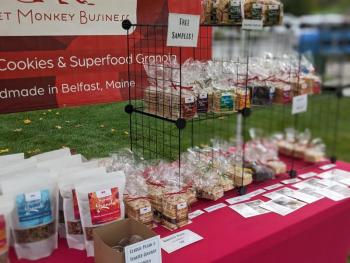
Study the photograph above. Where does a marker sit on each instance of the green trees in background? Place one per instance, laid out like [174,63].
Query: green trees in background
[303,7]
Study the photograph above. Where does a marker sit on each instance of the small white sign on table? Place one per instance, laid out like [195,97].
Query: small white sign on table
[250,24]
[300,104]
[183,30]
[145,251]
[179,240]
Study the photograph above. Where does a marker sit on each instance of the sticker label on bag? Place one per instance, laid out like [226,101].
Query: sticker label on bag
[3,239]
[34,209]
[104,206]
[145,210]
[181,206]
[75,205]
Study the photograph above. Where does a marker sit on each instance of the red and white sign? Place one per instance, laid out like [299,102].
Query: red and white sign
[65,17]
[50,64]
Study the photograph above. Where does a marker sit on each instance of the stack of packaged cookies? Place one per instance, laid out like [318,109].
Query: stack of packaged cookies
[233,12]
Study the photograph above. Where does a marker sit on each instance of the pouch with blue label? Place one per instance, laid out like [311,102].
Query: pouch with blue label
[34,218]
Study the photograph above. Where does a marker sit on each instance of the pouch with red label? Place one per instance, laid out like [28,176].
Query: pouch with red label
[100,201]
[73,228]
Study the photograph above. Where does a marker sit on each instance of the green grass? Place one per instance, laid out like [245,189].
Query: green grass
[96,131]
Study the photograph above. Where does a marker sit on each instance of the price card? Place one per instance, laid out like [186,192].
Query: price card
[250,24]
[144,251]
[179,240]
[214,207]
[300,104]
[183,30]
[307,175]
[327,167]
[195,214]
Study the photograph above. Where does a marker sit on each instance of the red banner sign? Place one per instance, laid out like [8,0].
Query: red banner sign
[74,54]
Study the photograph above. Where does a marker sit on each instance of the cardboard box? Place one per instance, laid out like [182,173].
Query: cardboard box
[108,236]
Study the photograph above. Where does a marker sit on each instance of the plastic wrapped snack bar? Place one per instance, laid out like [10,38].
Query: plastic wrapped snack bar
[316,151]
[100,202]
[34,219]
[6,207]
[137,203]
[261,173]
[242,177]
[175,209]
[254,9]
[273,13]
[232,12]
[211,11]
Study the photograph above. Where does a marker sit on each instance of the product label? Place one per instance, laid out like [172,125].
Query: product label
[147,251]
[227,102]
[3,240]
[235,11]
[34,209]
[203,95]
[181,206]
[104,206]
[189,100]
[145,210]
[75,205]
[257,11]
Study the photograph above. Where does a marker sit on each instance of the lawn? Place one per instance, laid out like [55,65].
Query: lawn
[97,131]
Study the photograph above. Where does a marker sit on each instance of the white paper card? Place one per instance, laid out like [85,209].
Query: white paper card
[307,175]
[179,240]
[250,209]
[291,181]
[144,251]
[255,193]
[214,207]
[327,166]
[273,187]
[283,205]
[183,30]
[250,24]
[300,104]
[195,214]
[237,199]
[297,195]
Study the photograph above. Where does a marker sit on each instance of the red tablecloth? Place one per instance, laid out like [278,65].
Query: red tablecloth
[317,233]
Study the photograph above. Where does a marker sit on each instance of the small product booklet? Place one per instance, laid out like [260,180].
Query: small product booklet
[283,205]
[250,209]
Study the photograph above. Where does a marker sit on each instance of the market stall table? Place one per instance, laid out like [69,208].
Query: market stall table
[319,233]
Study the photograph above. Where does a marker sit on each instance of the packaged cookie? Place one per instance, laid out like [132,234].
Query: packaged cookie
[210,192]
[242,177]
[254,9]
[277,166]
[283,94]
[139,209]
[34,218]
[6,207]
[73,227]
[233,14]
[242,99]
[137,202]
[175,210]
[155,193]
[262,95]
[100,202]
[211,12]
[273,13]
[224,101]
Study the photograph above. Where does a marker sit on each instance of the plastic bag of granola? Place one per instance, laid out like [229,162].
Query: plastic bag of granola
[6,207]
[34,218]
[100,202]
[73,228]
